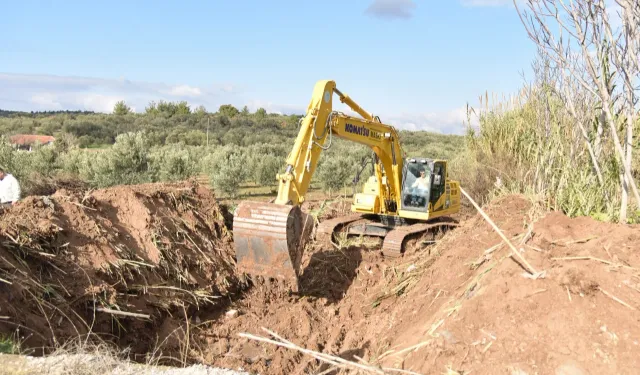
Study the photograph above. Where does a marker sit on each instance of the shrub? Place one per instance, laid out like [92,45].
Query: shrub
[227,168]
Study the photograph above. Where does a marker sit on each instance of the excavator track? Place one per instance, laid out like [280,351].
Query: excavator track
[326,229]
[394,240]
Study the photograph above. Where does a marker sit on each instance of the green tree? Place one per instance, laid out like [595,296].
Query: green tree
[265,168]
[201,110]
[261,113]
[227,169]
[245,111]
[228,110]
[182,108]
[335,172]
[121,108]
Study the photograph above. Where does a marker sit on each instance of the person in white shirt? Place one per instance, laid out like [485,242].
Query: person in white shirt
[9,188]
[422,182]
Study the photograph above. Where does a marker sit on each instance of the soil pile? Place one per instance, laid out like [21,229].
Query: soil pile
[126,263]
[457,306]
[476,310]
[460,306]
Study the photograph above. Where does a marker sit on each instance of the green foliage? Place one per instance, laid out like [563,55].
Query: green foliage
[121,108]
[169,142]
[334,173]
[265,168]
[8,346]
[227,168]
[228,110]
[174,163]
[261,113]
[168,109]
[201,110]
[126,162]
[532,148]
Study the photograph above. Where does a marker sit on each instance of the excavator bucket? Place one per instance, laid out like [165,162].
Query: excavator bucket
[269,239]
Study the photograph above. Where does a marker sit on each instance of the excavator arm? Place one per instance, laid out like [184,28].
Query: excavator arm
[269,237]
[318,127]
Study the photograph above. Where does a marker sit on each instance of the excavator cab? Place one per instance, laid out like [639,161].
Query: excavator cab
[418,178]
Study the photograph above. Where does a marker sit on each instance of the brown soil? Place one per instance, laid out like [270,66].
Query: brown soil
[461,305]
[450,307]
[157,249]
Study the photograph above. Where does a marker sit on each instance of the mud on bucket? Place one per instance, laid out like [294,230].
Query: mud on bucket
[269,240]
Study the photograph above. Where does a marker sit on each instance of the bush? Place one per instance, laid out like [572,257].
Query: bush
[227,168]
[174,163]
[265,168]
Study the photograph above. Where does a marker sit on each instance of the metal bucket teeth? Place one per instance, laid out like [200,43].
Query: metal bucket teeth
[269,239]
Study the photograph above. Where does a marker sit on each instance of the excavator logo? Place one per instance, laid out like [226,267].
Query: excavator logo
[361,130]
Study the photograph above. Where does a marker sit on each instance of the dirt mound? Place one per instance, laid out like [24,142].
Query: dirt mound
[475,310]
[124,263]
[460,305]
[457,306]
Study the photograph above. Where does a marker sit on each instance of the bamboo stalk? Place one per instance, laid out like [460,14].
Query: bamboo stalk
[514,251]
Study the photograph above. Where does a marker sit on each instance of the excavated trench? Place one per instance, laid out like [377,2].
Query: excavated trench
[151,268]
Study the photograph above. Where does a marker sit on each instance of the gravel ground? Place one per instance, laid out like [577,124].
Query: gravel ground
[88,364]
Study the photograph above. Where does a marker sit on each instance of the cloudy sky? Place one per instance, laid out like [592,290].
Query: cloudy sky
[416,64]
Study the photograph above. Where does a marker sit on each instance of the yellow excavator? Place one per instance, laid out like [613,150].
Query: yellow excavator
[403,197]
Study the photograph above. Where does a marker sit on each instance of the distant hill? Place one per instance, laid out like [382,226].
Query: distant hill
[10,113]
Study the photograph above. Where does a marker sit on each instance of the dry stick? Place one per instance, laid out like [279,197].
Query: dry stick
[413,347]
[597,260]
[336,361]
[294,347]
[632,287]
[530,268]
[535,292]
[123,313]
[616,299]
[387,368]
[328,357]
[5,281]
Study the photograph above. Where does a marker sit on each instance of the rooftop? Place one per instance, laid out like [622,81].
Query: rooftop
[31,139]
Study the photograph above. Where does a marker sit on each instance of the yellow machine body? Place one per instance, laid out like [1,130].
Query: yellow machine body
[270,237]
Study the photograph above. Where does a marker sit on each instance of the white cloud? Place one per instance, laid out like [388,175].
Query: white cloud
[28,92]
[446,122]
[185,90]
[98,102]
[49,92]
[391,9]
[271,107]
[45,101]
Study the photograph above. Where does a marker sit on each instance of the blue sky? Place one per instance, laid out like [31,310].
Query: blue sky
[414,63]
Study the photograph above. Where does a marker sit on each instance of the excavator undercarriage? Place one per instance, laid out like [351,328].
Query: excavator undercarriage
[393,232]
